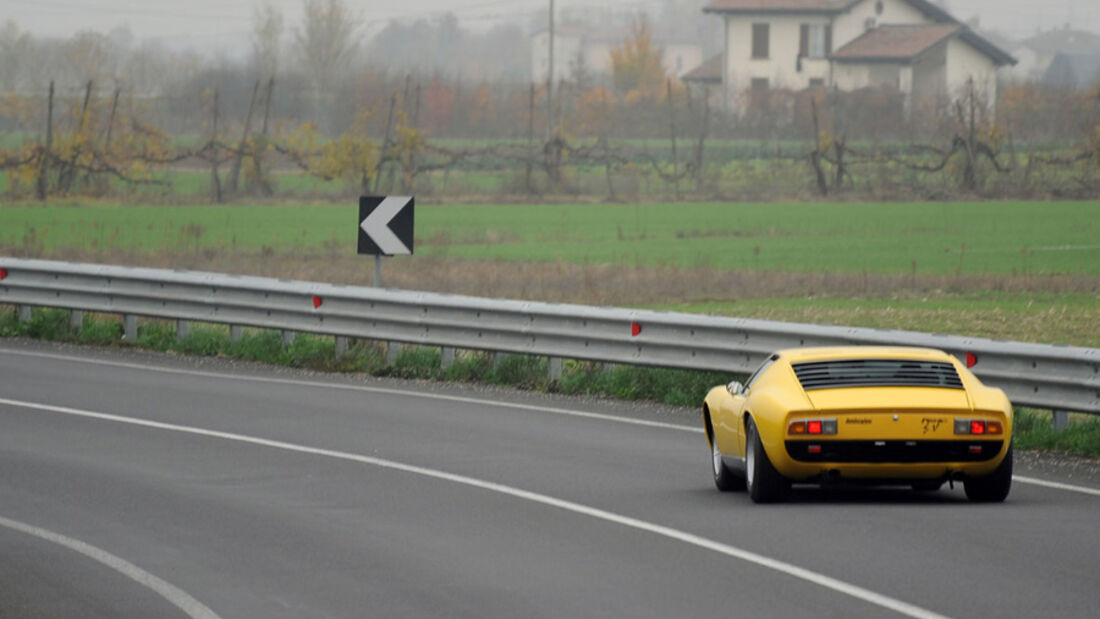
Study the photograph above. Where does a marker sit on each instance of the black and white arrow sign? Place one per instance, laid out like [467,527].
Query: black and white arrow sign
[386,225]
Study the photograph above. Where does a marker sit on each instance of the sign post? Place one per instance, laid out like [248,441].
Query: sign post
[385,228]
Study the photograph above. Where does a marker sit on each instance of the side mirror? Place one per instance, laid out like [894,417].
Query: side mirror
[735,388]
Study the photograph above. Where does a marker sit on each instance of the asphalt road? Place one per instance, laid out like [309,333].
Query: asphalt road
[155,488]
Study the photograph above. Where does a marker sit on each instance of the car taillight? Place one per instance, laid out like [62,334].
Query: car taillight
[972,427]
[812,426]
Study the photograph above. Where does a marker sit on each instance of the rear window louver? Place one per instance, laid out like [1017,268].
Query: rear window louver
[876,373]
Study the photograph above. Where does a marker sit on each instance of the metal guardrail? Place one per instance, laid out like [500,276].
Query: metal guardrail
[1060,378]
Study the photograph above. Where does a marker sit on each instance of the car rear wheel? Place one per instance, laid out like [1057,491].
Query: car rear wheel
[724,478]
[764,483]
[992,488]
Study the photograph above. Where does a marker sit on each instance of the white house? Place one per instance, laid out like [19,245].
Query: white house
[912,45]
[595,46]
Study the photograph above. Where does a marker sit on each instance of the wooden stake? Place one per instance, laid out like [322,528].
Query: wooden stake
[672,135]
[44,164]
[215,180]
[235,171]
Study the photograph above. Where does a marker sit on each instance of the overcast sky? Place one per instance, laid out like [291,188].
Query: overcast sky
[210,24]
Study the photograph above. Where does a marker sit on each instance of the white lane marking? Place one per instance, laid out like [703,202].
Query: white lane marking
[176,596]
[810,576]
[345,387]
[451,398]
[1055,485]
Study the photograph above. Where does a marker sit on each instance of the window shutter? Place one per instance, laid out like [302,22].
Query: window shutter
[804,41]
[760,40]
[828,40]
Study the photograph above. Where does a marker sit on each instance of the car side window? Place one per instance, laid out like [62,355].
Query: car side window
[759,371]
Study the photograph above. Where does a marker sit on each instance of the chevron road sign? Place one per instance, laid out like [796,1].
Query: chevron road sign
[386,225]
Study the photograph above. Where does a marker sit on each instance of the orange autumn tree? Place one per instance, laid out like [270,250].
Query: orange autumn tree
[637,66]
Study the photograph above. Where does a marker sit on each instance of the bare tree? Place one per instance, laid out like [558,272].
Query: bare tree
[326,44]
[14,48]
[267,33]
[91,55]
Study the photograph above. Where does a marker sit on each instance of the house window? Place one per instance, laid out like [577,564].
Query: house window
[760,40]
[815,40]
[816,83]
[759,84]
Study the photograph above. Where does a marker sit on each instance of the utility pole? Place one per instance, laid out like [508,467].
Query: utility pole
[550,81]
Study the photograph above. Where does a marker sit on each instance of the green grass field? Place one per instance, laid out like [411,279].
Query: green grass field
[1026,316]
[1010,270]
[921,238]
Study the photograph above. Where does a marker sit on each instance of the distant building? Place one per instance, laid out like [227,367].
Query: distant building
[1078,71]
[911,45]
[571,43]
[1057,57]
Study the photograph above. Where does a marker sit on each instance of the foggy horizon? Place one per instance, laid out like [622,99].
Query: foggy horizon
[214,27]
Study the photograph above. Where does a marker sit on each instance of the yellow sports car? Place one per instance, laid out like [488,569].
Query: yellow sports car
[860,414]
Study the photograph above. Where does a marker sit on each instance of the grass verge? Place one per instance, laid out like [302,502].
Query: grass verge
[1033,431]
[675,387]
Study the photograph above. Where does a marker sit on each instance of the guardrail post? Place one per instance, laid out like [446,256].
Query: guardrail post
[236,332]
[129,328]
[76,320]
[341,346]
[498,357]
[392,350]
[24,313]
[183,329]
[1061,420]
[447,355]
[553,368]
[288,337]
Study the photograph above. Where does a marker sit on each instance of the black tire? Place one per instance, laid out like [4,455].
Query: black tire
[992,488]
[764,483]
[724,479]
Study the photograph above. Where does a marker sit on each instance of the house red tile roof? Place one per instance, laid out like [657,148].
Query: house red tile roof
[896,42]
[778,6]
[885,43]
[821,7]
[708,72]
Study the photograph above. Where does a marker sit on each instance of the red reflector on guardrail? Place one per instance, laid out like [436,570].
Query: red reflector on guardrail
[635,329]
[3,273]
[317,301]
[971,359]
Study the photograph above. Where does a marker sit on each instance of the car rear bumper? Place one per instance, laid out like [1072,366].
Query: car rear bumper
[894,460]
[894,451]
